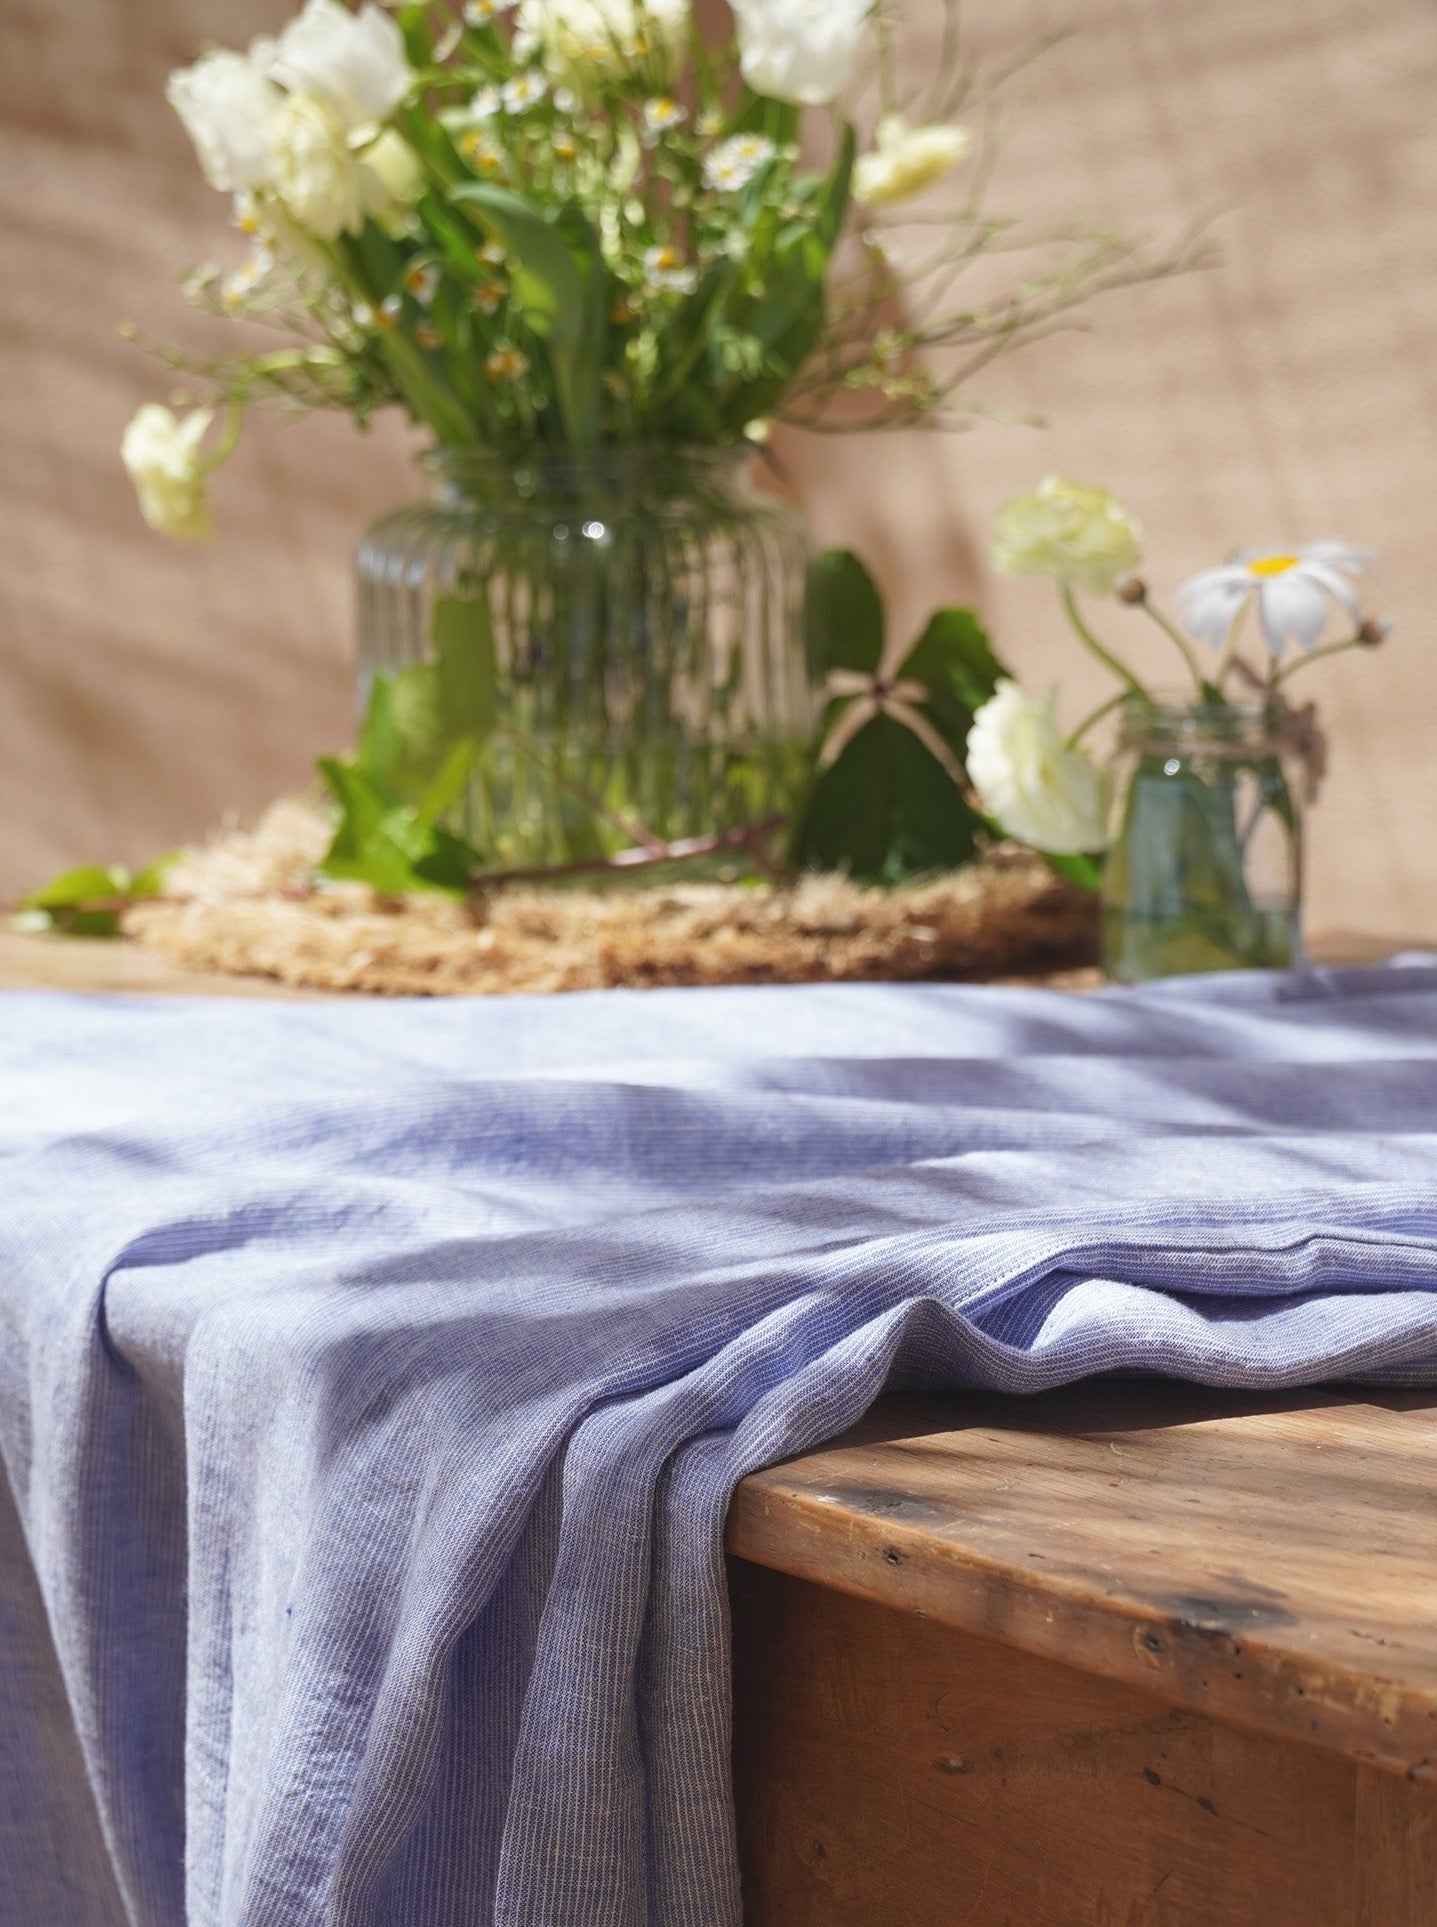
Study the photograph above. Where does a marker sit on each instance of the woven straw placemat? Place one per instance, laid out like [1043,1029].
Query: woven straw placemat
[244,904]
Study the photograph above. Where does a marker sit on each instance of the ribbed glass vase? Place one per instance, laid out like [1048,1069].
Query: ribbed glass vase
[637,614]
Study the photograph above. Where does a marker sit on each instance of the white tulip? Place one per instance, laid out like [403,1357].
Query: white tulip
[225,103]
[354,62]
[800,51]
[165,459]
[320,183]
[393,180]
[905,160]
[573,35]
[1040,791]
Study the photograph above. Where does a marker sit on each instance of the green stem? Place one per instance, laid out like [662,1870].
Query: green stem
[1315,655]
[227,441]
[1091,721]
[1207,690]
[1090,641]
[1229,648]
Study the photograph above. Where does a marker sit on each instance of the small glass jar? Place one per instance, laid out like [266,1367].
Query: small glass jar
[639,616]
[1205,872]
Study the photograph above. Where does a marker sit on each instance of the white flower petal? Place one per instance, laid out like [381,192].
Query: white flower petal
[1291,605]
[800,51]
[1337,586]
[1208,604]
[1040,791]
[354,62]
[1340,555]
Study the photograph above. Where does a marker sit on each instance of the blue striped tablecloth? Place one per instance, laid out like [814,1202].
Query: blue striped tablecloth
[373,1380]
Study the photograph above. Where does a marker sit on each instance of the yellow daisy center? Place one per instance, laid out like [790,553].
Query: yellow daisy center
[1274,564]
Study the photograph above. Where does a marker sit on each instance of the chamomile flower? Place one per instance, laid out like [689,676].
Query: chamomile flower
[481,153]
[1295,593]
[481,13]
[488,297]
[566,148]
[665,267]
[524,91]
[507,364]
[238,286]
[485,104]
[660,115]
[734,162]
[421,282]
[492,255]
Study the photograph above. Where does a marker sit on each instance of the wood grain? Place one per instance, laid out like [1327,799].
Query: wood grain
[892,1772]
[1272,1563]
[148,690]
[1396,1851]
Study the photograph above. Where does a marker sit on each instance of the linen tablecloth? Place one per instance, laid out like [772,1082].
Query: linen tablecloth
[373,1380]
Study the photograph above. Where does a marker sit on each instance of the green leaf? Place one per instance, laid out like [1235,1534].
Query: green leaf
[757,114]
[886,811]
[462,631]
[955,656]
[837,194]
[559,285]
[88,884]
[1085,871]
[887,808]
[843,612]
[956,665]
[151,880]
[449,781]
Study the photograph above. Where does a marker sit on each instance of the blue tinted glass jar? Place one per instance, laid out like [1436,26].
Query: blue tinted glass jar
[1205,872]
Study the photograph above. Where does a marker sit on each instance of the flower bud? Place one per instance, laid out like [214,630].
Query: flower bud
[1132,590]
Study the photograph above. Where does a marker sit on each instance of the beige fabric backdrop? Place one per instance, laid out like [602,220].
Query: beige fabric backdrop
[146,691]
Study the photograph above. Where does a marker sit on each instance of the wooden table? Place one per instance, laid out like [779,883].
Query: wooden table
[1135,1655]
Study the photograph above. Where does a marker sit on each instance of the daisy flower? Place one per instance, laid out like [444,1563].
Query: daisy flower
[481,153]
[1295,593]
[507,364]
[479,13]
[665,267]
[734,162]
[485,104]
[660,115]
[523,92]
[421,282]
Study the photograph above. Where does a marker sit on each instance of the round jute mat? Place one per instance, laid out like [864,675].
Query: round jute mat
[246,904]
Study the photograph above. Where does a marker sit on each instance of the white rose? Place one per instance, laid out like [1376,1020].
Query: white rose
[354,62]
[320,183]
[1039,790]
[165,459]
[905,160]
[800,51]
[226,104]
[573,35]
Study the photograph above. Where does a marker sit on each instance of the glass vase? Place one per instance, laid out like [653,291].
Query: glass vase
[1205,872]
[629,624]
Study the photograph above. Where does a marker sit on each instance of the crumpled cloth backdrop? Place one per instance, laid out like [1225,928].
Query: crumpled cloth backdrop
[373,1381]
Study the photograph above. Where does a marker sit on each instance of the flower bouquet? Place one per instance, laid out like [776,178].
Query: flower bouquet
[594,254]
[1204,836]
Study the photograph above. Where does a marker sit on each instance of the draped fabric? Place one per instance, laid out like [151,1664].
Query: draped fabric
[373,1381]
